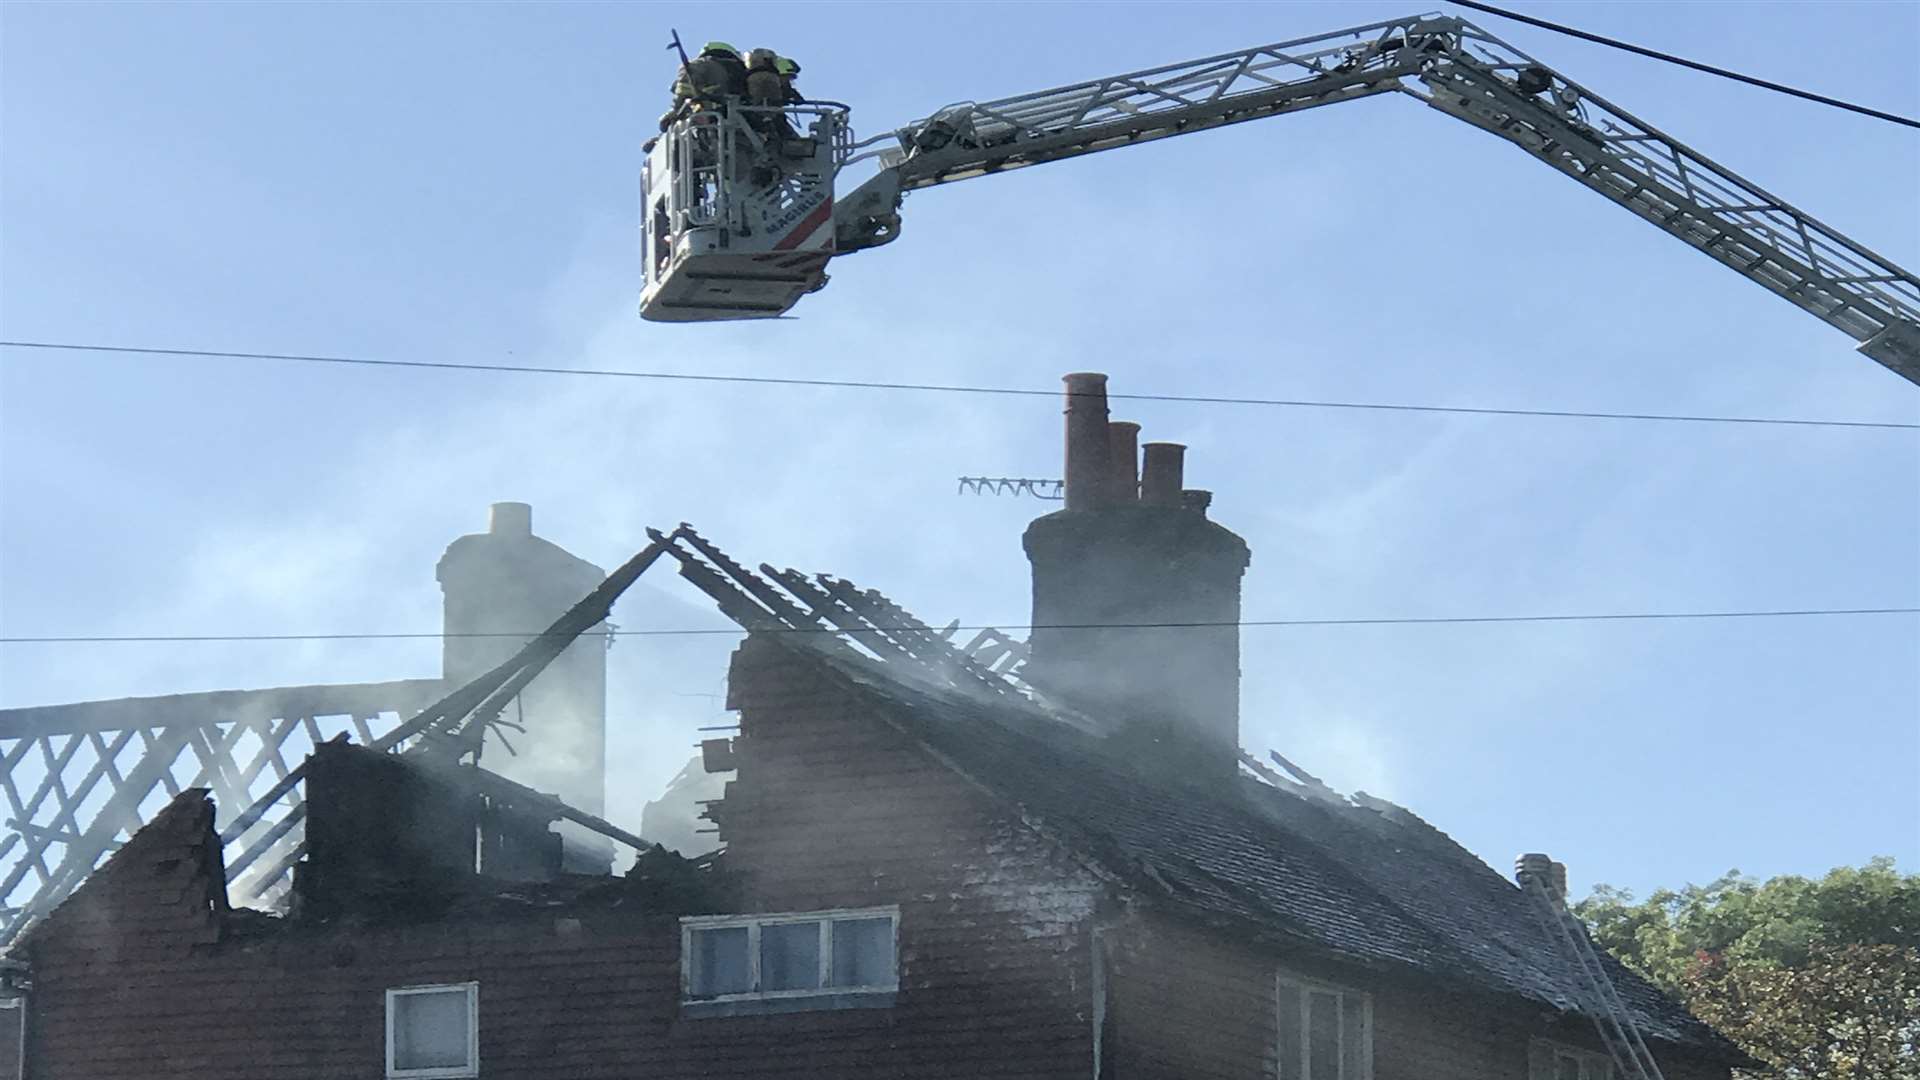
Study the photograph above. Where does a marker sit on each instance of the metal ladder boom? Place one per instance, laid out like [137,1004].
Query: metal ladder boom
[1760,236]
[1459,69]
[1124,110]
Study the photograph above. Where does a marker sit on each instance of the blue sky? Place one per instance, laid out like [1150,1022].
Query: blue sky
[458,183]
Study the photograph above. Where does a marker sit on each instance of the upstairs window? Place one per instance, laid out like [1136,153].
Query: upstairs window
[1326,1032]
[1551,1061]
[433,1032]
[836,958]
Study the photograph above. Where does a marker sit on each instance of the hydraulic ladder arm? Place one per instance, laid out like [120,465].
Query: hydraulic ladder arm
[1459,69]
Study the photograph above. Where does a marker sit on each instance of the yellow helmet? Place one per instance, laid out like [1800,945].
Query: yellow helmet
[786,67]
[719,47]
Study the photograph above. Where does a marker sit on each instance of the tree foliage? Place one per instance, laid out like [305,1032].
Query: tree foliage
[1818,979]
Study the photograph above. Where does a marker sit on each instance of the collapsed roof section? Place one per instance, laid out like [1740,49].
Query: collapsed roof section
[835,616]
[441,737]
[1277,854]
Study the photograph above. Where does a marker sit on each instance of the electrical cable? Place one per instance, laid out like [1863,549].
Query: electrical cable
[1198,625]
[1614,43]
[1014,391]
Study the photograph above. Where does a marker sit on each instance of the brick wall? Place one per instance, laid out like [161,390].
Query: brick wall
[585,1005]
[1183,1006]
[834,808]
[1186,1006]
[141,989]
[145,974]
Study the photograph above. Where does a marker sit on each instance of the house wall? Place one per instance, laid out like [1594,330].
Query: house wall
[1187,1007]
[553,1004]
[139,983]
[834,808]
[144,974]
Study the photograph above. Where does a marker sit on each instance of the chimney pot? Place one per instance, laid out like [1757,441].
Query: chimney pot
[511,519]
[1535,865]
[1160,481]
[1196,500]
[1087,440]
[1123,458]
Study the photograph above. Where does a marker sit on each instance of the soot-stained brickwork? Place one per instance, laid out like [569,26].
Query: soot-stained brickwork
[1062,914]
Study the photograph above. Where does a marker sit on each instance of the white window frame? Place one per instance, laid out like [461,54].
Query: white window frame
[472,1067]
[1594,1064]
[1361,1070]
[689,925]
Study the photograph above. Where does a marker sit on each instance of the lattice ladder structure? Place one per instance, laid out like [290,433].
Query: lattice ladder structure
[1459,69]
[1542,880]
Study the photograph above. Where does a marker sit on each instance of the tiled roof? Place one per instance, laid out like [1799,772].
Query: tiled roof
[1360,880]
[1369,882]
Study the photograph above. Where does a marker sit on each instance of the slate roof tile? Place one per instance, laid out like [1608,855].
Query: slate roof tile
[1365,880]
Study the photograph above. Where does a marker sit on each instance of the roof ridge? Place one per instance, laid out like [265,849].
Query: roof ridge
[1387,808]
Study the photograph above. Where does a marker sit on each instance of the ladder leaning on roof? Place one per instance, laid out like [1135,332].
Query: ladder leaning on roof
[1544,881]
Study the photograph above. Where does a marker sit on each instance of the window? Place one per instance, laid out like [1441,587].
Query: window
[819,959]
[1551,1061]
[1326,1033]
[433,1031]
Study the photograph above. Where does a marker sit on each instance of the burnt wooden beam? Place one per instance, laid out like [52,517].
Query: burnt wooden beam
[219,706]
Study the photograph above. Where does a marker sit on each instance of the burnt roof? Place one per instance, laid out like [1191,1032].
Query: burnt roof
[1360,881]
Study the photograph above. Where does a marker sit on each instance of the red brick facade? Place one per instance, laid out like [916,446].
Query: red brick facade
[144,974]
[835,808]
[1189,1005]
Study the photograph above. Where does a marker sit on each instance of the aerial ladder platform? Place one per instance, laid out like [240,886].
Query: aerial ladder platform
[741,214]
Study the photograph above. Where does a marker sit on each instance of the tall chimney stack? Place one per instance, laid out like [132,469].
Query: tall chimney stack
[502,587]
[1136,601]
[1088,446]
[1162,479]
[1123,461]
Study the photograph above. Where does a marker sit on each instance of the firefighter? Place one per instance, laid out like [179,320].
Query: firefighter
[767,90]
[788,71]
[706,80]
[725,72]
[764,84]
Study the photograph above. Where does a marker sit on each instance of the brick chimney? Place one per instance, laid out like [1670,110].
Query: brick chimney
[502,587]
[1551,874]
[1136,595]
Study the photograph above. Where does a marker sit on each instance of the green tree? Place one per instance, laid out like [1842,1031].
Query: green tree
[1818,979]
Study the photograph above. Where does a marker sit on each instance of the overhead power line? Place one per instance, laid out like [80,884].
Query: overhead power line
[1198,625]
[1615,43]
[949,388]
